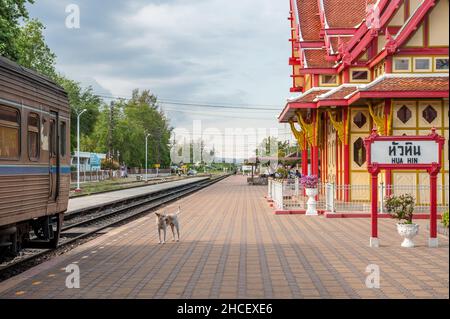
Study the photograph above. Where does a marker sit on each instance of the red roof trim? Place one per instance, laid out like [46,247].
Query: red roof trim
[362,30]
[398,94]
[318,71]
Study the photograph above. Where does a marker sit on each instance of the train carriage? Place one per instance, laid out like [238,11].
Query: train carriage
[34,158]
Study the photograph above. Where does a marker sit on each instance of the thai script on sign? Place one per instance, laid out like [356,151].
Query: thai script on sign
[409,149]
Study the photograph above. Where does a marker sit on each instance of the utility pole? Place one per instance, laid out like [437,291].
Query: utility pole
[146,157]
[78,149]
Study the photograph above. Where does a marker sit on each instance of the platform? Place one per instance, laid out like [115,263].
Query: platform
[233,246]
[83,202]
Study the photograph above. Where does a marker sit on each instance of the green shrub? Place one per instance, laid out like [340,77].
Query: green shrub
[282,172]
[445,219]
[401,207]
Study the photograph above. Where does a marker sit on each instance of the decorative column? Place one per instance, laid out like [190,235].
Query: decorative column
[341,128]
[300,136]
[311,133]
[382,116]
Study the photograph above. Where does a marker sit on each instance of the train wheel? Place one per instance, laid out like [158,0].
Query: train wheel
[59,223]
[9,245]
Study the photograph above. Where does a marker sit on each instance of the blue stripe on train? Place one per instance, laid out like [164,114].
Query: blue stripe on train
[32,170]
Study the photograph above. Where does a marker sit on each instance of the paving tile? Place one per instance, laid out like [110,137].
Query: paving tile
[234,246]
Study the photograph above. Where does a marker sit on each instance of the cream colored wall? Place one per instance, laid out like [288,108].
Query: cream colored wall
[399,17]
[439,24]
[417,39]
[381,42]
[417,125]
[413,4]
[359,174]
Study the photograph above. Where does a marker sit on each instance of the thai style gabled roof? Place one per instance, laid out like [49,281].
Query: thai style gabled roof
[393,82]
[391,85]
[340,93]
[316,58]
[344,13]
[309,20]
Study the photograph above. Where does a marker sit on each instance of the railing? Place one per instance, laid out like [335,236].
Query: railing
[290,195]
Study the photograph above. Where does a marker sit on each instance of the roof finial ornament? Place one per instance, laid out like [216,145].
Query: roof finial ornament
[391,43]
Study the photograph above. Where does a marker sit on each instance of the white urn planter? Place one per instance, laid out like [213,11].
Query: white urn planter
[408,231]
[312,203]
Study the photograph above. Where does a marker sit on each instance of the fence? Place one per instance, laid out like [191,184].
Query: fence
[103,175]
[290,195]
[95,176]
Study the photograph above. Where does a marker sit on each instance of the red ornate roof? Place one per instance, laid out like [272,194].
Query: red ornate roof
[388,85]
[317,58]
[345,13]
[309,20]
[339,93]
[408,83]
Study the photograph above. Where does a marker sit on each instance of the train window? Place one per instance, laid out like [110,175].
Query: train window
[9,133]
[52,138]
[33,136]
[63,139]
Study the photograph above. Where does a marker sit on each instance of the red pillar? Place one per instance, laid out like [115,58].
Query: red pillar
[433,241]
[387,115]
[305,161]
[374,212]
[346,166]
[315,148]
[315,160]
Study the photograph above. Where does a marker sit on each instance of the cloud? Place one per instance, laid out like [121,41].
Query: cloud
[218,51]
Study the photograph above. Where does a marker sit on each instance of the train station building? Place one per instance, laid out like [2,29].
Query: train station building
[359,65]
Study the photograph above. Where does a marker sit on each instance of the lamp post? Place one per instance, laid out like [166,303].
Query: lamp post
[146,157]
[78,149]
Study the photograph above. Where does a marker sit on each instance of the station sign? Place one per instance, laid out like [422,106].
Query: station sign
[157,166]
[405,152]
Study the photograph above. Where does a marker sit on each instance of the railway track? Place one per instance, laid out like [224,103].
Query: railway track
[82,225]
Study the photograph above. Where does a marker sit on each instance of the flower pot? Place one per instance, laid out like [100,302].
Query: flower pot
[408,231]
[312,204]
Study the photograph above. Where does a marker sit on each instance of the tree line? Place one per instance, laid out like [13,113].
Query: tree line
[117,128]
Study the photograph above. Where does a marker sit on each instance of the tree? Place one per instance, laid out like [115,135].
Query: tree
[80,99]
[11,12]
[33,52]
[123,129]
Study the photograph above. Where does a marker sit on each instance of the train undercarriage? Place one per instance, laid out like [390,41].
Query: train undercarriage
[39,233]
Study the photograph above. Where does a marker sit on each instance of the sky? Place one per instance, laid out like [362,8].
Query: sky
[221,52]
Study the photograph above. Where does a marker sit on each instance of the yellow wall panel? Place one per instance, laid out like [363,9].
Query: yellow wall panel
[353,139]
[361,189]
[412,106]
[446,189]
[417,39]
[353,126]
[437,106]
[381,42]
[439,21]
[404,182]
[423,197]
[405,132]
[399,17]
[413,4]
[446,150]
[446,113]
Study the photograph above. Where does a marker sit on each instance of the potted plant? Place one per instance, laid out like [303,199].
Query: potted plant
[402,208]
[281,173]
[309,183]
